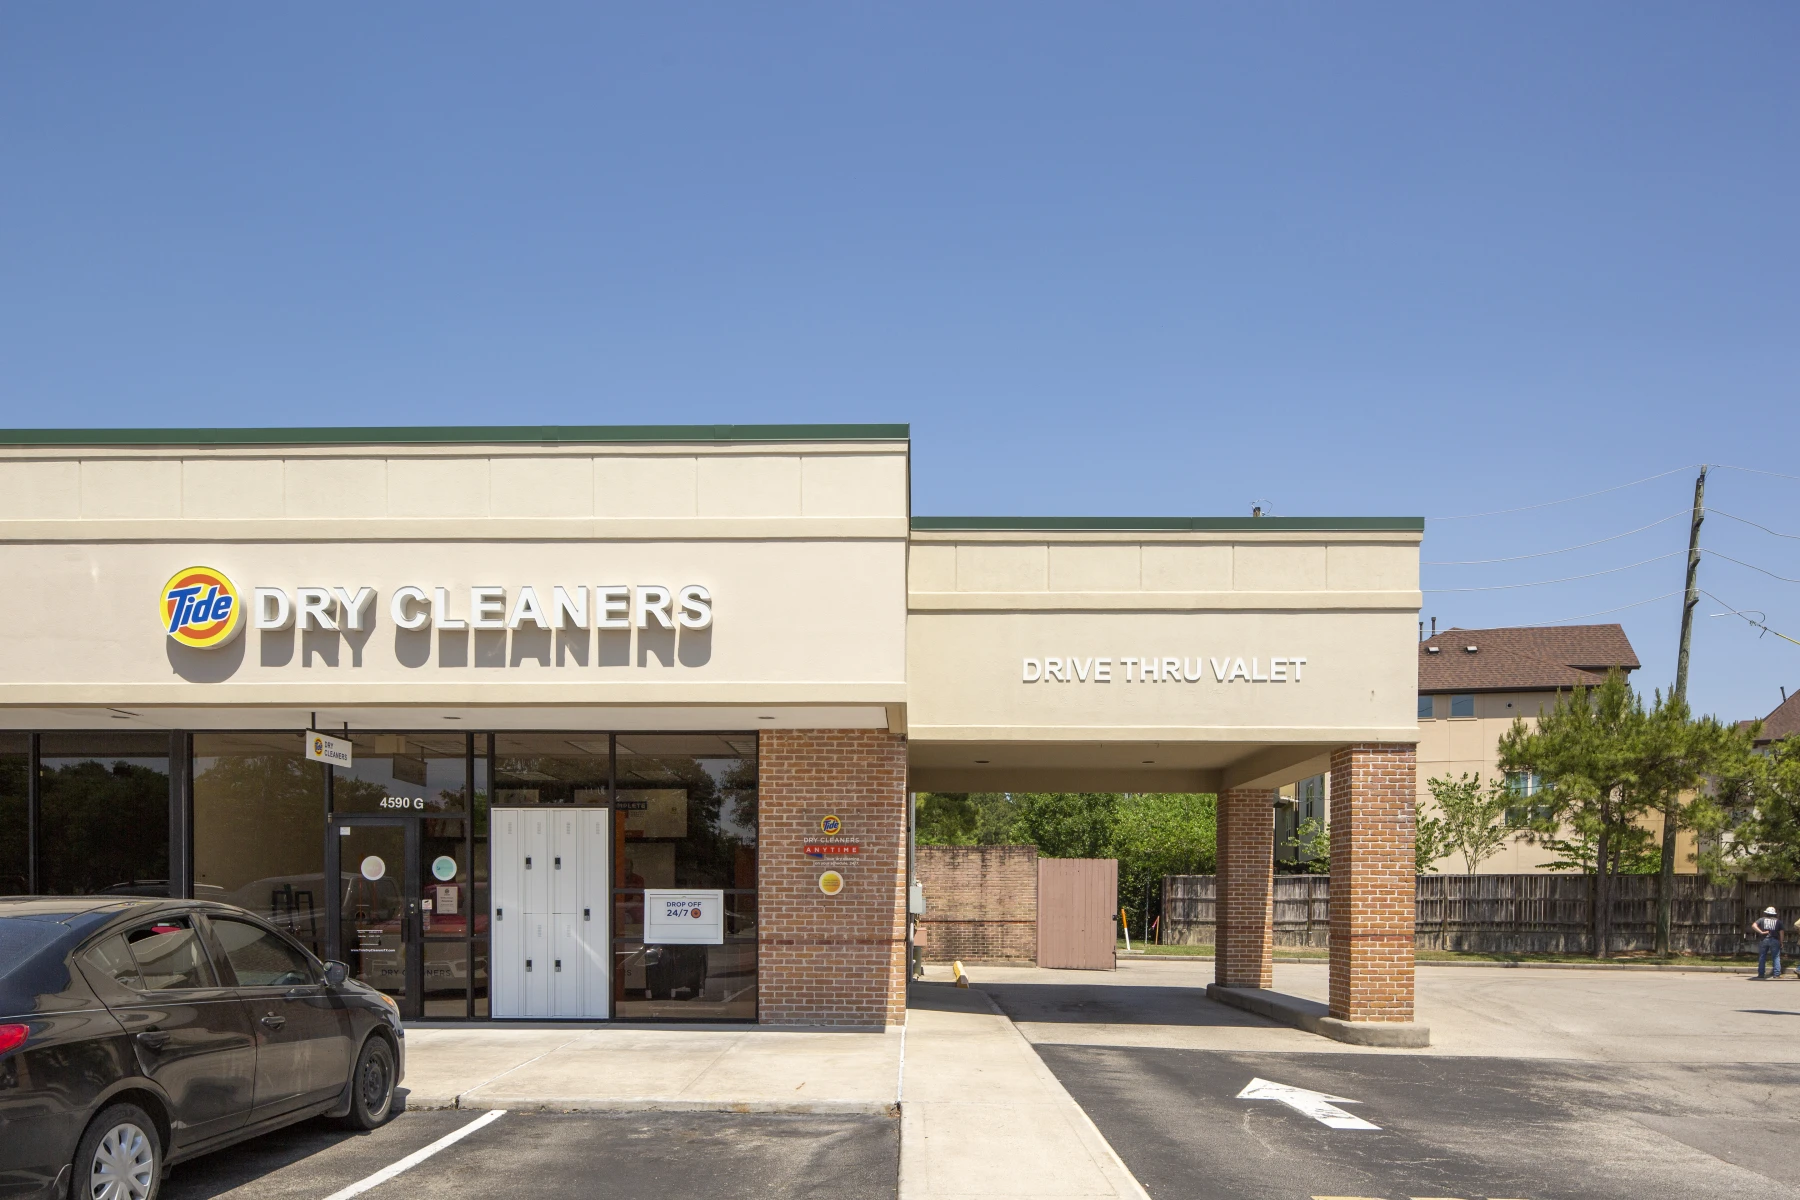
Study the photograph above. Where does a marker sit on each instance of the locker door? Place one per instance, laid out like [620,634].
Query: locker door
[506,952]
[596,910]
[534,849]
[538,968]
[568,980]
[566,862]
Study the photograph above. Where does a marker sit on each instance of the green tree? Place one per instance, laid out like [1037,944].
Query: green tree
[1313,841]
[1156,834]
[966,819]
[1431,841]
[1474,815]
[1067,824]
[1606,761]
[1756,833]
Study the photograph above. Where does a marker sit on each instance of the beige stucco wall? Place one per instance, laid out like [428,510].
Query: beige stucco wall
[1453,746]
[980,603]
[802,547]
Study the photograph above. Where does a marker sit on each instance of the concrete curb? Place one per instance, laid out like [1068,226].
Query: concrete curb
[1696,968]
[1314,1017]
[469,1103]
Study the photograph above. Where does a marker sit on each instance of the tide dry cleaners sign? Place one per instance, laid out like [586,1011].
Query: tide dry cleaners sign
[1228,669]
[201,607]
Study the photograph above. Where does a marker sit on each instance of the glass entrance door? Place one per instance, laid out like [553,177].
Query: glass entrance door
[378,908]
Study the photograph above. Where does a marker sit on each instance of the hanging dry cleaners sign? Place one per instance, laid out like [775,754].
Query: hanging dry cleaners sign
[200,607]
[1228,669]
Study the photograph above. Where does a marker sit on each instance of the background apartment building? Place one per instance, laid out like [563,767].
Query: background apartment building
[1474,682]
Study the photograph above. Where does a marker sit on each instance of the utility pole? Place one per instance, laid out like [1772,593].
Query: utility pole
[1665,892]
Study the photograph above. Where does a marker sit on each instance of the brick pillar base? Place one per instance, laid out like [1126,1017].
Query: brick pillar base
[1244,936]
[1373,881]
[831,960]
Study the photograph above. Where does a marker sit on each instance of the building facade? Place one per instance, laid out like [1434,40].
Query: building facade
[621,722]
[1474,682]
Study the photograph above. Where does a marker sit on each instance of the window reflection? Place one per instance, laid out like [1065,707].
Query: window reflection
[259,824]
[15,830]
[403,772]
[104,814]
[685,817]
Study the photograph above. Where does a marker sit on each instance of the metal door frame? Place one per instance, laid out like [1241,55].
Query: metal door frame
[411,937]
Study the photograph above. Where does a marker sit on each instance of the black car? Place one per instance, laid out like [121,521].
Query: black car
[135,1033]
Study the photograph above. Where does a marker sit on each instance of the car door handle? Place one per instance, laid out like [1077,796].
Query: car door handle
[273,1021]
[156,1039]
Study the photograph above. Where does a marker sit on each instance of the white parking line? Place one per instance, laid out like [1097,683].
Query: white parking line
[417,1156]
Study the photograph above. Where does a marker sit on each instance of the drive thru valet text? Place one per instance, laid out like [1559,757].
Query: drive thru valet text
[1163,670]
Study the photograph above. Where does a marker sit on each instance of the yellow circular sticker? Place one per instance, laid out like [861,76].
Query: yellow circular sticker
[201,608]
[830,826]
[831,883]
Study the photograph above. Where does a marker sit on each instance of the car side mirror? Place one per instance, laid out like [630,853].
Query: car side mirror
[336,973]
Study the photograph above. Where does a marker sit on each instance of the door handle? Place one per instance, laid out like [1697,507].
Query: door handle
[559,964]
[587,914]
[273,1021]
[156,1039]
[528,964]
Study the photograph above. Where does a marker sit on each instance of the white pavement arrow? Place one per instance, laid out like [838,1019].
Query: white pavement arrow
[1317,1105]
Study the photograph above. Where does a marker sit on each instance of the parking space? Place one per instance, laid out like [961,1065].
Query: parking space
[1446,1127]
[1539,1086]
[601,1155]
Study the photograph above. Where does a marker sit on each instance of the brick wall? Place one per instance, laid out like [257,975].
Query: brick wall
[1373,793]
[981,903]
[831,960]
[1244,950]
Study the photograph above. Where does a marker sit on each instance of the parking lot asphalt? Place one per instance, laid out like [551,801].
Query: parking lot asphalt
[1448,1127]
[602,1155]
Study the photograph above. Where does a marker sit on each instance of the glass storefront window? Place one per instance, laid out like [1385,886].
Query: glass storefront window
[551,768]
[103,806]
[259,827]
[685,817]
[15,819]
[403,772]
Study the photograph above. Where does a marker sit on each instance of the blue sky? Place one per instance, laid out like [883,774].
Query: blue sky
[1418,259]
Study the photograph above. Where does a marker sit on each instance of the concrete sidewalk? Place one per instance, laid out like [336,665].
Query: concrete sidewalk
[551,1069]
[981,1115]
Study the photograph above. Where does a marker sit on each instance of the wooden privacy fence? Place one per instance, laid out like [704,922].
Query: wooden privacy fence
[1506,914]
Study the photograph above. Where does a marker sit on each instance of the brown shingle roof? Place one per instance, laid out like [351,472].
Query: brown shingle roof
[1783,722]
[1523,660]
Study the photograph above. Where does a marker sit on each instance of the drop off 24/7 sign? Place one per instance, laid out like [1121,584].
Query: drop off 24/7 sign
[683,918]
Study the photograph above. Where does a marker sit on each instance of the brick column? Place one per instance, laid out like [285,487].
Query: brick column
[1373,881]
[831,960]
[1244,933]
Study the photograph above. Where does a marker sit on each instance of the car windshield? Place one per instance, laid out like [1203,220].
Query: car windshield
[22,937]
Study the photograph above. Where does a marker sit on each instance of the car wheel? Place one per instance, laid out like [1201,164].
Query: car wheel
[119,1158]
[371,1085]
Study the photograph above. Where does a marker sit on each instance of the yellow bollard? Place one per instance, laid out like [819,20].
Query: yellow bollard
[962,981]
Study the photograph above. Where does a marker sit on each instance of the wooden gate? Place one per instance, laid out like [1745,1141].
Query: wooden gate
[1078,899]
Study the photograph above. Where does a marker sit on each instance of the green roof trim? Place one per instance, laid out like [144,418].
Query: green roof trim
[1179,524]
[446,435]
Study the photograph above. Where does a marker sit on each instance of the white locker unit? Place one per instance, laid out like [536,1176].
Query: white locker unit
[550,952]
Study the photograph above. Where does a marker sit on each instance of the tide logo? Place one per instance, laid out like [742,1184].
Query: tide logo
[201,608]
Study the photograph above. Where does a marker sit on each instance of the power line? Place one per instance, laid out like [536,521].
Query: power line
[1721,512]
[1603,612]
[1740,562]
[1744,613]
[1502,587]
[1753,471]
[1476,562]
[1567,500]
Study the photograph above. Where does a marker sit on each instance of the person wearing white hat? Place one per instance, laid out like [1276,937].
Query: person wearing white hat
[1768,927]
